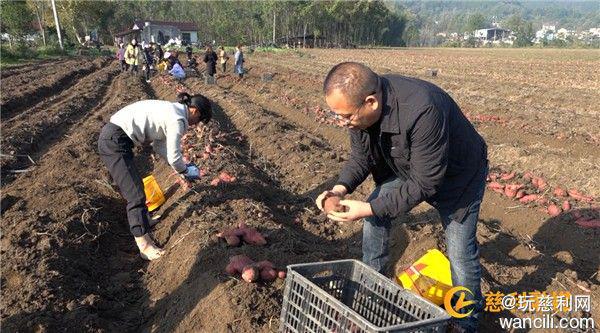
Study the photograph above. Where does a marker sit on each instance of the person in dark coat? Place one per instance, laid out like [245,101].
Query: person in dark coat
[189,51]
[210,59]
[158,52]
[148,62]
[412,137]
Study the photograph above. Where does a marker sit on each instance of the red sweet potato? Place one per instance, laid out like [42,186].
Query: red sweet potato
[507,176]
[240,261]
[579,196]
[529,198]
[539,182]
[250,273]
[528,175]
[559,192]
[496,185]
[509,192]
[231,236]
[332,204]
[226,177]
[520,193]
[230,269]
[237,263]
[281,274]
[253,237]
[588,223]
[232,240]
[268,274]
[553,210]
[566,205]
[264,264]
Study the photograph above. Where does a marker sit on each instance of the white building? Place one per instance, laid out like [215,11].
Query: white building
[491,34]
[547,32]
[160,32]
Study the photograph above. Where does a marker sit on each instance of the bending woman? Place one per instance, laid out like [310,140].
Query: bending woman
[161,123]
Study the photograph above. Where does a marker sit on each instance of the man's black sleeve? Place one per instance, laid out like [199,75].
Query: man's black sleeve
[356,169]
[428,161]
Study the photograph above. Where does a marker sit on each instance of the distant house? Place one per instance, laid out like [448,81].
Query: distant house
[547,32]
[159,32]
[491,34]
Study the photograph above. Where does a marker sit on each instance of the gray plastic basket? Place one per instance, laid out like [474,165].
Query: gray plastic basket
[349,296]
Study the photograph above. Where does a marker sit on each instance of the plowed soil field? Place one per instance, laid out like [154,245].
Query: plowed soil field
[69,264]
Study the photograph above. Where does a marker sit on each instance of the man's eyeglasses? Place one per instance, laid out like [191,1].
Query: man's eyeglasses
[346,119]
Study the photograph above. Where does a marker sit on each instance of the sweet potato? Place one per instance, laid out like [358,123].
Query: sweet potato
[539,182]
[528,175]
[509,192]
[332,204]
[559,192]
[281,274]
[507,176]
[566,205]
[230,269]
[237,263]
[232,240]
[231,236]
[250,273]
[529,198]
[588,223]
[520,193]
[268,274]
[495,185]
[264,264]
[226,177]
[215,182]
[553,210]
[249,235]
[579,196]
[253,237]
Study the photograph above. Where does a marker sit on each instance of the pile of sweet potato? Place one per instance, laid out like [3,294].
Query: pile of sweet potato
[251,271]
[531,189]
[234,236]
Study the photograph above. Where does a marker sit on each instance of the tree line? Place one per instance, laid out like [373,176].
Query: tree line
[361,22]
[332,23]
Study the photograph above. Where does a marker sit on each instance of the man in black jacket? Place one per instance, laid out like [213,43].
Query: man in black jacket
[415,141]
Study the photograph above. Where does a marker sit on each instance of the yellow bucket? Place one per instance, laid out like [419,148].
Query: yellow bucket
[154,195]
[429,276]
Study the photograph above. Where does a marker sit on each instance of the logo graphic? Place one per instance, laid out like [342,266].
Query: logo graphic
[460,303]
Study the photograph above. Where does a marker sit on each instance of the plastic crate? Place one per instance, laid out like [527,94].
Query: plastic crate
[349,296]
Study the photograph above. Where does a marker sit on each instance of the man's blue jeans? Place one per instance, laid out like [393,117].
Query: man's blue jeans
[461,243]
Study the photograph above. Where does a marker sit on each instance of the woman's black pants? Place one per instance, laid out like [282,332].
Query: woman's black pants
[116,150]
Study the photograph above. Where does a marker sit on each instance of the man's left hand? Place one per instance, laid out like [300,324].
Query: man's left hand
[355,210]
